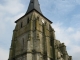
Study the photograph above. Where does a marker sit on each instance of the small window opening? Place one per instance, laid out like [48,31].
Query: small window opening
[28,21]
[21,24]
[38,17]
[61,55]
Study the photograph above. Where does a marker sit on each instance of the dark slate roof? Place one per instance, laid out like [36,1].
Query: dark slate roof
[34,4]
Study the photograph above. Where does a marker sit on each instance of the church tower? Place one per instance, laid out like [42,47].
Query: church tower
[34,38]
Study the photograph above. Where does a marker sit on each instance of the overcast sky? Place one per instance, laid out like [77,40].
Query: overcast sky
[65,15]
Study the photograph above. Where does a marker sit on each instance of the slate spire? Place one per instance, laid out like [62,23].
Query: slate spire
[34,5]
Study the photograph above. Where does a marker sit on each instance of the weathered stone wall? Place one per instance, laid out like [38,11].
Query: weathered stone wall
[34,39]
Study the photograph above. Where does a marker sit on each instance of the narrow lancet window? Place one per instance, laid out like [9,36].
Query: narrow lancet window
[27,20]
[21,24]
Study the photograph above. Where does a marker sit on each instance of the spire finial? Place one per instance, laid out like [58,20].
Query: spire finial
[34,5]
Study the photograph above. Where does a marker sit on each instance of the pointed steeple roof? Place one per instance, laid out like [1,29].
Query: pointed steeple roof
[34,5]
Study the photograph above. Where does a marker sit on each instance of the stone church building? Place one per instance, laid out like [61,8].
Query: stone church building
[34,38]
